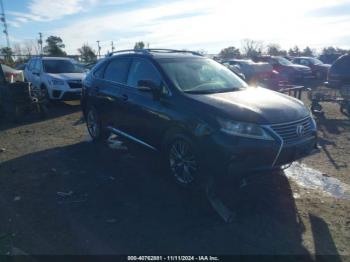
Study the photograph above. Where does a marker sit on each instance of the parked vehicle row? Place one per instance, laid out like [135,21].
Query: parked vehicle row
[197,113]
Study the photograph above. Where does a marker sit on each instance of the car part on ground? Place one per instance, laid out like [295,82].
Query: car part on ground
[12,75]
[180,103]
[18,99]
[326,93]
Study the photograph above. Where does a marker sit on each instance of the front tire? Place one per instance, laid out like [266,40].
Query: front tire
[183,161]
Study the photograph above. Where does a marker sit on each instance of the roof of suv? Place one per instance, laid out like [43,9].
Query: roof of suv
[55,58]
[51,58]
[158,53]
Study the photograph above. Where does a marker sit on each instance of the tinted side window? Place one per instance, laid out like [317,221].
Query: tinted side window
[304,62]
[117,70]
[37,67]
[33,65]
[98,72]
[30,65]
[142,69]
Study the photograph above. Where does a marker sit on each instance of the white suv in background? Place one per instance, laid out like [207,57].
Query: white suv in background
[59,77]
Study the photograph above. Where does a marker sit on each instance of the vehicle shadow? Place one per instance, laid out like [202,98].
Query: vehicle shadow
[324,244]
[55,110]
[88,199]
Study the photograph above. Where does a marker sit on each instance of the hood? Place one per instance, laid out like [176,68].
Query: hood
[256,105]
[68,76]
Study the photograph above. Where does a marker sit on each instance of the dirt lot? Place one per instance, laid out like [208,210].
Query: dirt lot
[63,194]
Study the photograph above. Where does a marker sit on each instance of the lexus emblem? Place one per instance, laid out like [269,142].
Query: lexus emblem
[300,130]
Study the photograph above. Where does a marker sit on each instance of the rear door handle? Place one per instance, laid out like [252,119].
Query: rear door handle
[125,97]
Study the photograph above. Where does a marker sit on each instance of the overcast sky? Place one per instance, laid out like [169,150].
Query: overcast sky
[193,24]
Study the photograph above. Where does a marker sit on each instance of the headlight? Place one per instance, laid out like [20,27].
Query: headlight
[56,82]
[243,129]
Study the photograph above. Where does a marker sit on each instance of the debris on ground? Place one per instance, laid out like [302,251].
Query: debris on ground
[72,201]
[17,198]
[116,144]
[2,150]
[216,202]
[65,194]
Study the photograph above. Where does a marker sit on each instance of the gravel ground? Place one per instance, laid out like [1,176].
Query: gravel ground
[63,194]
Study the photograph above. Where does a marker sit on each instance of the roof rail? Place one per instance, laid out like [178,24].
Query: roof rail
[160,50]
[127,51]
[150,50]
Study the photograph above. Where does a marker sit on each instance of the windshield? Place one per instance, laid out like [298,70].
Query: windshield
[283,61]
[201,75]
[61,66]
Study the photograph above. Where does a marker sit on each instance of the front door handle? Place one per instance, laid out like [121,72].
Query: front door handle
[124,97]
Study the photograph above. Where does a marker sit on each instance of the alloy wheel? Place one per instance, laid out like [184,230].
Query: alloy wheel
[92,123]
[183,163]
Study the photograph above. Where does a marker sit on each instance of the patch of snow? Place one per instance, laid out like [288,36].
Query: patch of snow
[311,178]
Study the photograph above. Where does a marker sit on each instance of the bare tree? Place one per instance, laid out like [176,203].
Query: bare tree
[252,48]
[31,47]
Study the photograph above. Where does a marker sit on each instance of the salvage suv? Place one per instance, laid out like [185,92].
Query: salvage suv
[196,112]
[58,77]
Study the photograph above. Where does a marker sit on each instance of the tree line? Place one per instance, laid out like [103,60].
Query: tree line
[251,48]
[54,46]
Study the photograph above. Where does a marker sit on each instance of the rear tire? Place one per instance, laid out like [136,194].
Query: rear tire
[94,125]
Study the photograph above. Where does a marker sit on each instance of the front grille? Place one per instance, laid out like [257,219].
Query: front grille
[289,131]
[76,84]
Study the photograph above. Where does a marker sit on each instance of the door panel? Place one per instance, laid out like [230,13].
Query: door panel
[142,114]
[106,91]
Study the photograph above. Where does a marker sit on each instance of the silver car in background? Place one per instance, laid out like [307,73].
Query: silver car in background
[59,77]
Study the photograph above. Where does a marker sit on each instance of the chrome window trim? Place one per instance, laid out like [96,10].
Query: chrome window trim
[119,132]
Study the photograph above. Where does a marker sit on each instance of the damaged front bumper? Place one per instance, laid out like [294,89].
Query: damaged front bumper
[233,155]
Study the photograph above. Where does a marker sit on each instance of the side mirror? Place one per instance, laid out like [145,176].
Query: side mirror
[149,86]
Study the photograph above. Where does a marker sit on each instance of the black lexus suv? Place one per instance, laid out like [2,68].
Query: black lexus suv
[196,112]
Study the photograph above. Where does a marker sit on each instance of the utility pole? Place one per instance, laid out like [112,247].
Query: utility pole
[112,44]
[3,20]
[98,48]
[40,42]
